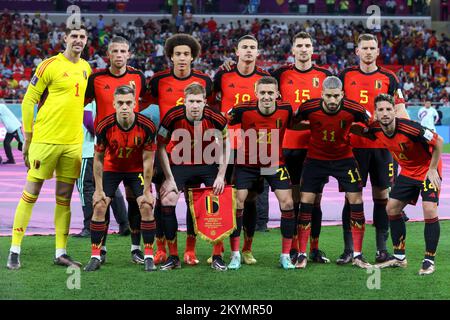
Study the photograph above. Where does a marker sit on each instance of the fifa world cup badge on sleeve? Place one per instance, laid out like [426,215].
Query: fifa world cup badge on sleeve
[214,216]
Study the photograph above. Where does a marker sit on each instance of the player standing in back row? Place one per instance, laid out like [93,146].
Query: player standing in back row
[101,87]
[232,87]
[166,89]
[362,84]
[300,82]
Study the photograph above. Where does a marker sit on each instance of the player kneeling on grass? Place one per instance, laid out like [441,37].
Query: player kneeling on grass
[192,129]
[330,154]
[263,123]
[418,151]
[124,152]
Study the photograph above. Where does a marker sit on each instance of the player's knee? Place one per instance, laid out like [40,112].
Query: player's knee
[430,210]
[392,209]
[286,203]
[100,209]
[170,199]
[379,193]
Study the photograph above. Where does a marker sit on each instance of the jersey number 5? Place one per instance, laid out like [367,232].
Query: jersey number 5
[364,97]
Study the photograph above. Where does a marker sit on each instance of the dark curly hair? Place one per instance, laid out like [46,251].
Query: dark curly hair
[182,39]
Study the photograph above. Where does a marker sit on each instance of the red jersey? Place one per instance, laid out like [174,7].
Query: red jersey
[175,128]
[298,86]
[123,148]
[232,88]
[262,134]
[101,86]
[167,90]
[411,146]
[364,88]
[330,131]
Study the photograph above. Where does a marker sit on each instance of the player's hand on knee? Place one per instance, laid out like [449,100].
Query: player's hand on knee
[219,185]
[98,197]
[434,178]
[147,199]
[167,187]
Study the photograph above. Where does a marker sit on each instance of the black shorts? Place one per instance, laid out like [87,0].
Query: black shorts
[132,180]
[407,190]
[252,178]
[316,174]
[294,162]
[376,162]
[229,174]
[194,175]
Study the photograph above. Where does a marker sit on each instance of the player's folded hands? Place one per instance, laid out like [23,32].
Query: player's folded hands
[98,197]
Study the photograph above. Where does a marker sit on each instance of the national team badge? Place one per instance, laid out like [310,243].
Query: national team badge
[214,216]
[378,84]
[137,141]
[133,85]
[316,82]
[279,123]
[85,74]
[402,146]
[343,124]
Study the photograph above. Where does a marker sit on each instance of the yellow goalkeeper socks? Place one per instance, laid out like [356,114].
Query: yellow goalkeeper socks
[62,222]
[21,219]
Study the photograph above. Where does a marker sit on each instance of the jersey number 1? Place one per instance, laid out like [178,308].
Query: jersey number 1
[78,89]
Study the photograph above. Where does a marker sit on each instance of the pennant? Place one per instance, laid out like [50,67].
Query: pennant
[214,216]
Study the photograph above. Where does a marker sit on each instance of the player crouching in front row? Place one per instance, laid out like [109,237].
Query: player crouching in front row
[418,151]
[124,151]
[263,122]
[192,129]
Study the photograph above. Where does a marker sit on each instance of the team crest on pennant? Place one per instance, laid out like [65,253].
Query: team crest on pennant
[85,74]
[378,84]
[212,204]
[279,123]
[316,82]
[214,216]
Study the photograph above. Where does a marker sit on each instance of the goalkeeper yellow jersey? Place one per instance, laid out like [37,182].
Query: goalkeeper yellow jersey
[58,87]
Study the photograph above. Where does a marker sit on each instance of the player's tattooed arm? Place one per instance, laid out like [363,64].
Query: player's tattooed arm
[99,194]
[432,173]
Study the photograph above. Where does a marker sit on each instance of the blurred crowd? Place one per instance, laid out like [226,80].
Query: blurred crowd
[420,57]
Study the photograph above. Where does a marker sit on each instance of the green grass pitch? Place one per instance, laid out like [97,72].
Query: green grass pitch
[120,279]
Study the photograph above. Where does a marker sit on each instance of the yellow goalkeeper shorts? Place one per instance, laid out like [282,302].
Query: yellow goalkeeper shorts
[62,159]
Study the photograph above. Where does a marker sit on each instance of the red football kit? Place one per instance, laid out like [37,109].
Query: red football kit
[167,90]
[363,88]
[261,131]
[123,148]
[410,145]
[232,88]
[296,87]
[330,131]
[176,119]
[101,86]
